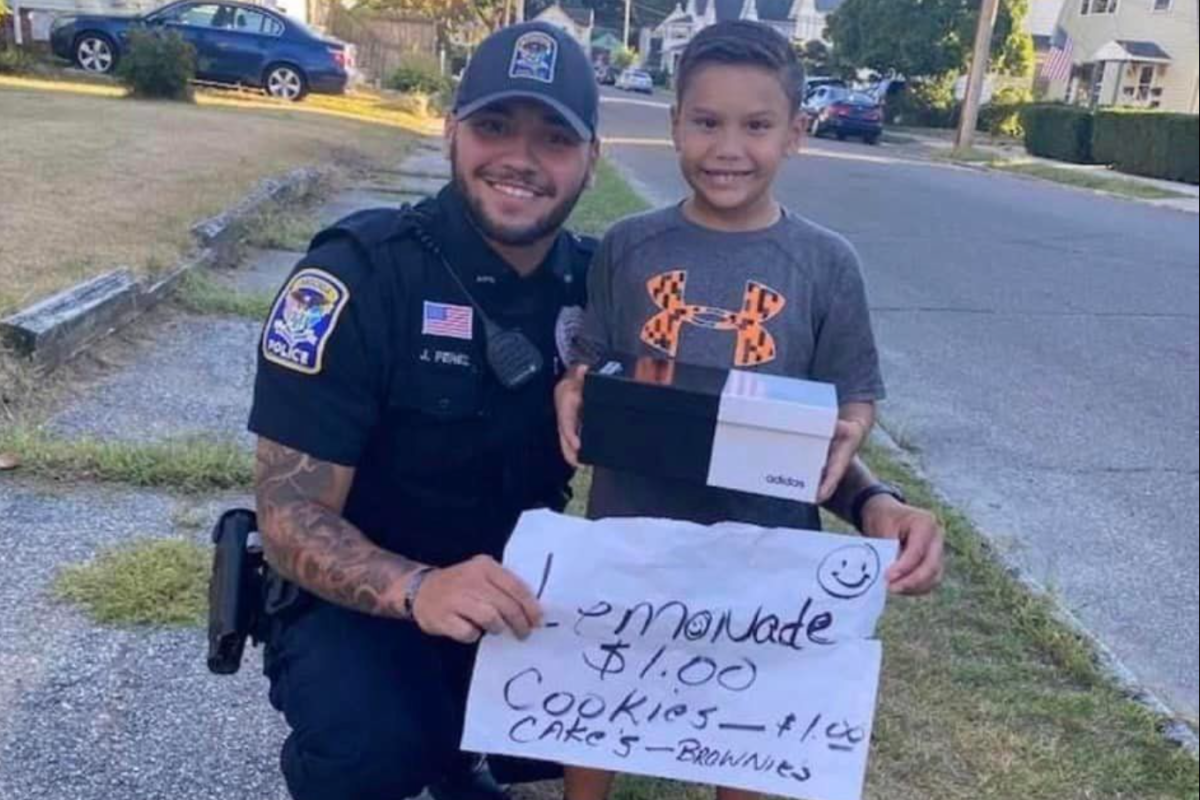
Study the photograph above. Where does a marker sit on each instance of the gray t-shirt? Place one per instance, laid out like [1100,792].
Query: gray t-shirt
[787,300]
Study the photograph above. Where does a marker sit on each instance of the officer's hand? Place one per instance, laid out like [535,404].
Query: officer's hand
[479,596]
[568,402]
[921,565]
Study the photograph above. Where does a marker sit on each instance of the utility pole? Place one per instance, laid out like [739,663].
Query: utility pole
[628,20]
[979,70]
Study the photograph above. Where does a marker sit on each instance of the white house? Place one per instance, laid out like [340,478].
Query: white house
[575,20]
[798,20]
[1137,53]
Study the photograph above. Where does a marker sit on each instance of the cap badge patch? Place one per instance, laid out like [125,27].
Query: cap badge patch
[303,319]
[535,56]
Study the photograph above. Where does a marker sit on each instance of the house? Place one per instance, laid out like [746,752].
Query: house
[1135,53]
[36,16]
[605,44]
[1040,24]
[575,20]
[798,20]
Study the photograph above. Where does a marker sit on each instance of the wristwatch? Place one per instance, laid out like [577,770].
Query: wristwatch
[412,589]
[865,496]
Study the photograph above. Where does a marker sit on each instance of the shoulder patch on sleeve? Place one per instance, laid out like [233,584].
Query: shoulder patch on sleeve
[302,320]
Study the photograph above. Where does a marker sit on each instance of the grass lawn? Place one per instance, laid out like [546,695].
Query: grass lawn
[93,181]
[986,696]
[1089,179]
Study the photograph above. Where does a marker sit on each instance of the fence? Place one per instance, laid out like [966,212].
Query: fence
[382,41]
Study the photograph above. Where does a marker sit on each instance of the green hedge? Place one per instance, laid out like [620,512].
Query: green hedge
[1002,116]
[1149,143]
[418,76]
[1061,132]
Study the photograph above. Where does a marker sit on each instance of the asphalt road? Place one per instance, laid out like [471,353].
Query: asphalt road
[1040,347]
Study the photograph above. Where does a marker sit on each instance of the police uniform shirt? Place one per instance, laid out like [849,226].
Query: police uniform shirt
[373,358]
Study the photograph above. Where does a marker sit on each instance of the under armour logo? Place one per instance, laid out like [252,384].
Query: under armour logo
[755,344]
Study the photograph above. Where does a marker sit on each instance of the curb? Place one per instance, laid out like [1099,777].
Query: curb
[1174,728]
[56,329]
[1165,204]
[221,233]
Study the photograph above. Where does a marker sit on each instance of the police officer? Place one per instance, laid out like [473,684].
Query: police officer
[404,411]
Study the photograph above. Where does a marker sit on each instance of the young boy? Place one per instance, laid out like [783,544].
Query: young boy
[728,279]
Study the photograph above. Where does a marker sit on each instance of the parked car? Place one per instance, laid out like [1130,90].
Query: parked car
[815,82]
[844,113]
[235,43]
[606,75]
[636,80]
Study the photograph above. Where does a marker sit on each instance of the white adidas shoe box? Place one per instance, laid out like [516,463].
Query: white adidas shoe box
[733,429]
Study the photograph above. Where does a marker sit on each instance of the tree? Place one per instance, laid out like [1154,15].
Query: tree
[624,58]
[927,38]
[815,56]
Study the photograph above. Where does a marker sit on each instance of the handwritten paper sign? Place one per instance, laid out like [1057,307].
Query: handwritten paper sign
[730,656]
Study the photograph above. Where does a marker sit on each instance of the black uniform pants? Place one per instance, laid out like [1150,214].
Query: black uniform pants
[375,707]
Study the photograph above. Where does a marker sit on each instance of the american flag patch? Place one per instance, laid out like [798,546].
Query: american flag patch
[454,322]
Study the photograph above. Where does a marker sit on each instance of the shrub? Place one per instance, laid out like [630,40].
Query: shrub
[925,103]
[14,61]
[1149,143]
[1002,116]
[419,77]
[158,64]
[1060,132]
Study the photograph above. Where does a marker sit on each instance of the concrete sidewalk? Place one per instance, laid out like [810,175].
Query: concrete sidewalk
[94,713]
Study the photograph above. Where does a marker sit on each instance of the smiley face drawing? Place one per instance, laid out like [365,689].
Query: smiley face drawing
[849,572]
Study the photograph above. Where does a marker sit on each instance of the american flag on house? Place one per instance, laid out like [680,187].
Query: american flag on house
[443,319]
[1057,67]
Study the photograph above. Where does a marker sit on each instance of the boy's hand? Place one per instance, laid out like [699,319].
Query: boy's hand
[921,565]
[853,428]
[568,403]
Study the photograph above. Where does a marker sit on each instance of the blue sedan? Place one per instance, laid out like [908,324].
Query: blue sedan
[235,44]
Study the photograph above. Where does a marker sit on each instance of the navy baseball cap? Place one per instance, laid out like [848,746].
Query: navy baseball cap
[533,61]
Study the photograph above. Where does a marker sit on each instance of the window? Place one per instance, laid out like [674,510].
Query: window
[1099,7]
[255,22]
[208,15]
[1163,5]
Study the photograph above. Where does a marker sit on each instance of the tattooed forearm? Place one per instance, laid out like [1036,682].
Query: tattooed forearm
[300,503]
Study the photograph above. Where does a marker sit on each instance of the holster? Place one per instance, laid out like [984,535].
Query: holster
[235,590]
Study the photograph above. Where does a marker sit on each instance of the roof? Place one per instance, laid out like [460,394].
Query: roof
[769,10]
[774,10]
[583,17]
[1144,50]
[1127,50]
[726,9]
